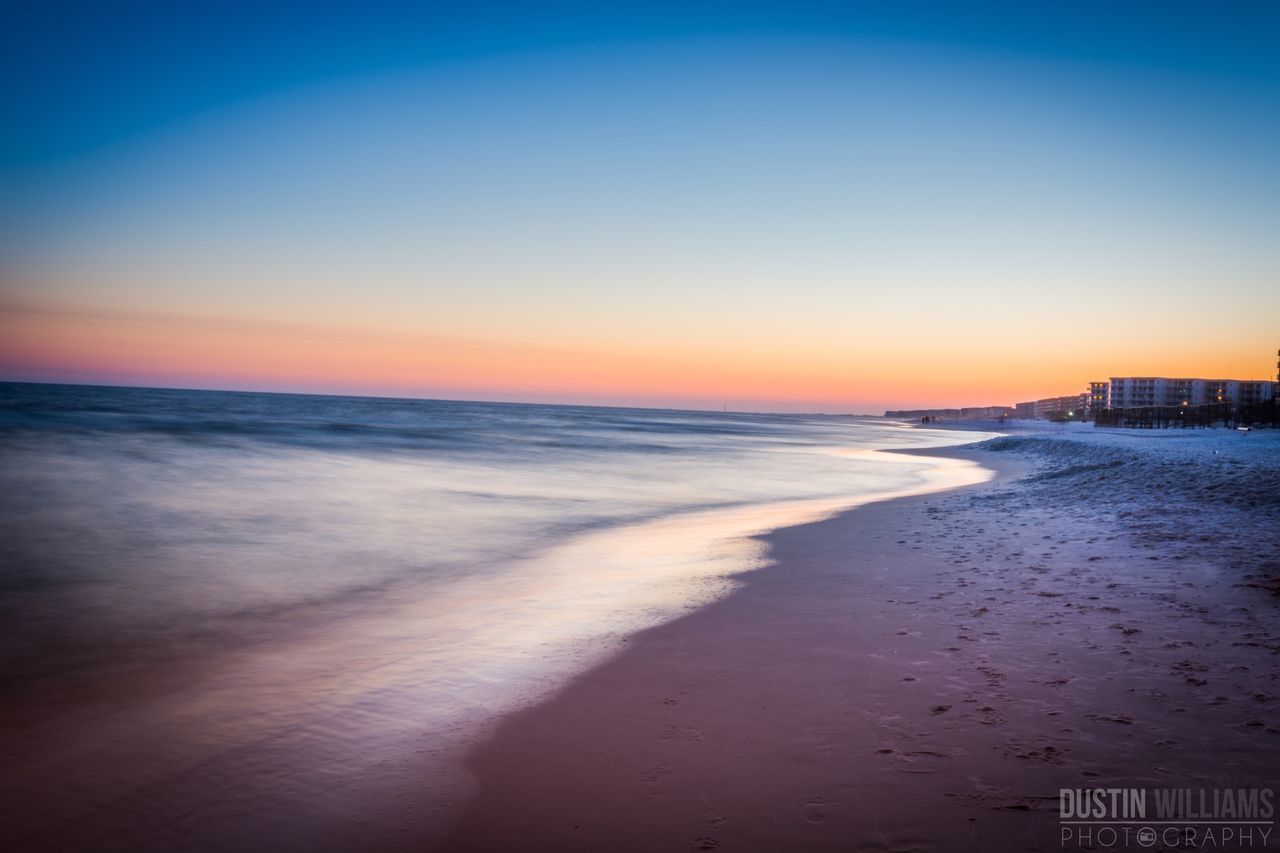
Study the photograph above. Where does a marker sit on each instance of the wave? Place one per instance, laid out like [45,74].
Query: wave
[368,424]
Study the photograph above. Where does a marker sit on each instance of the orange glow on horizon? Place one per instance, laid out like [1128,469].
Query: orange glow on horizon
[58,343]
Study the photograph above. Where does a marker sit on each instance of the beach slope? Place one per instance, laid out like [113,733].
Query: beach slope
[928,673]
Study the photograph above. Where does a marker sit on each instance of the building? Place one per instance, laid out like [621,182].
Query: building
[1099,397]
[916,414]
[972,413]
[1129,392]
[1132,392]
[1069,408]
[1249,392]
[986,413]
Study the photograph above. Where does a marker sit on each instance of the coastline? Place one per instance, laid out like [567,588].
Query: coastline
[922,673]
[338,732]
[546,768]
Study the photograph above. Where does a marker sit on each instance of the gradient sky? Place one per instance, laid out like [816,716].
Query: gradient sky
[836,207]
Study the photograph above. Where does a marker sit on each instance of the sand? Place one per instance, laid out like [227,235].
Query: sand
[919,674]
[928,673]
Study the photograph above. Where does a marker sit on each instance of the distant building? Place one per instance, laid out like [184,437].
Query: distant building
[986,413]
[1099,397]
[1132,392]
[916,414]
[1121,392]
[972,413]
[1069,408]
[1249,392]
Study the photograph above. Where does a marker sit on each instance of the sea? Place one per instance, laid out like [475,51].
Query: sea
[277,605]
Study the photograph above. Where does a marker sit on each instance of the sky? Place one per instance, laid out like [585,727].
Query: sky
[767,206]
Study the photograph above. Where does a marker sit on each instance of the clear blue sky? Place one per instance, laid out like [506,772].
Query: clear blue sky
[82,75]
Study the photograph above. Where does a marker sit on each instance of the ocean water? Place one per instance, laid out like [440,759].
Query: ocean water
[276,606]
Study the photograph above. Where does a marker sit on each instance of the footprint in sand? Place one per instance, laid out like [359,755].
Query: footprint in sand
[917,761]
[651,777]
[1047,754]
[922,761]
[681,733]
[989,716]
[705,842]
[816,810]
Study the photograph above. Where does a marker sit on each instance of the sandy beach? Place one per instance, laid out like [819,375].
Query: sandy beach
[927,673]
[770,427]
[271,634]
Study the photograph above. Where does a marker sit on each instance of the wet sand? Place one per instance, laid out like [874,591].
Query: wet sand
[921,674]
[341,728]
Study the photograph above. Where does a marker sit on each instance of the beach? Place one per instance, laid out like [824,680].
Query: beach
[283,620]
[311,624]
[769,427]
[928,673]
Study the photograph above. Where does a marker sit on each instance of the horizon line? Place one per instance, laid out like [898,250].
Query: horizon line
[5,381]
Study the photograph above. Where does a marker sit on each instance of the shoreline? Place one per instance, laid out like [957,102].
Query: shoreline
[373,760]
[921,673]
[531,727]
[910,673]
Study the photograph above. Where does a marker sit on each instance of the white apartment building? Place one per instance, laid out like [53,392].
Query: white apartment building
[1128,392]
